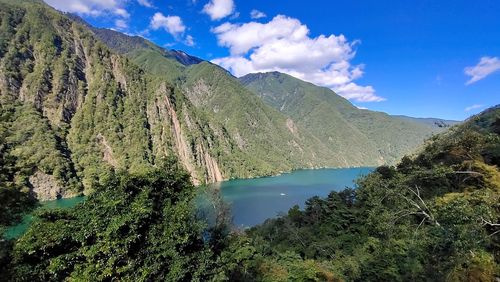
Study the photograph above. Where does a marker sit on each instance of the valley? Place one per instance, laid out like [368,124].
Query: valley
[123,159]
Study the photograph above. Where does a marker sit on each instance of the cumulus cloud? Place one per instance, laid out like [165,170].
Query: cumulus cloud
[256,14]
[171,24]
[473,107]
[485,67]
[218,9]
[284,45]
[122,12]
[358,93]
[91,7]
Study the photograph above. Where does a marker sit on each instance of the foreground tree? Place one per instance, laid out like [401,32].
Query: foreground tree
[134,227]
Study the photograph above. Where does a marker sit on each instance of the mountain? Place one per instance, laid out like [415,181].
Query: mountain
[73,111]
[434,122]
[78,103]
[433,217]
[341,139]
[339,124]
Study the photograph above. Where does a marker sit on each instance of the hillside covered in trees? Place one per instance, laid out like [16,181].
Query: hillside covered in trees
[78,103]
[135,127]
[433,217]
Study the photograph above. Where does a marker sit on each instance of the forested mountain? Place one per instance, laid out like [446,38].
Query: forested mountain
[339,124]
[73,110]
[433,217]
[434,122]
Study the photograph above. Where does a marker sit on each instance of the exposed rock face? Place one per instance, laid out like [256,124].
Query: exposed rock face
[291,126]
[180,143]
[107,151]
[45,187]
[200,93]
[172,135]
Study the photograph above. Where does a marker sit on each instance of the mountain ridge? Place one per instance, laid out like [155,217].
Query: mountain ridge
[115,106]
[310,105]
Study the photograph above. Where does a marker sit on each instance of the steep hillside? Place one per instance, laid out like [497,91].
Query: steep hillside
[74,111]
[434,217]
[211,89]
[339,124]
[351,137]
[100,112]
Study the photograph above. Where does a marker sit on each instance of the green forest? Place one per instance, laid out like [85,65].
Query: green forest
[137,128]
[433,217]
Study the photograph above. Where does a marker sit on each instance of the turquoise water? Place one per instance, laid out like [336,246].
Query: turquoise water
[252,200]
[255,200]
[18,230]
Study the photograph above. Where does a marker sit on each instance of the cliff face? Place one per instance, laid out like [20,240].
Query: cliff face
[99,112]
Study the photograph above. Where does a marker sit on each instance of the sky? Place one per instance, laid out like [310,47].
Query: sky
[423,58]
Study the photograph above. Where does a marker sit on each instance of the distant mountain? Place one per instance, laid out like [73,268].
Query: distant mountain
[339,124]
[124,44]
[434,122]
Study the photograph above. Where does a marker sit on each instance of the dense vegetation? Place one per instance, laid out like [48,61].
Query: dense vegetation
[133,227]
[340,125]
[135,125]
[435,216]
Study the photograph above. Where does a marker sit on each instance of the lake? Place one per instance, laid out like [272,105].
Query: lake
[18,230]
[252,200]
[255,200]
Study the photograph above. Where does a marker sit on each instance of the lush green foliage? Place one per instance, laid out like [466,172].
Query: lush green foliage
[435,216]
[134,227]
[352,136]
[74,110]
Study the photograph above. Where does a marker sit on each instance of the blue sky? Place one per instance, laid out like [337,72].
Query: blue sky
[421,58]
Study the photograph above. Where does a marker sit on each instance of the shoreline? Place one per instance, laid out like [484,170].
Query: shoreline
[281,173]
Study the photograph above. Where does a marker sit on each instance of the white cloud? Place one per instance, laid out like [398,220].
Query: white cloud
[189,41]
[122,12]
[91,7]
[473,107]
[218,9]
[171,24]
[284,45]
[256,14]
[121,24]
[358,93]
[145,3]
[485,67]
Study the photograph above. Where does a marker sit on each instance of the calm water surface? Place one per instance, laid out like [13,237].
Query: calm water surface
[255,200]
[252,200]
[18,230]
